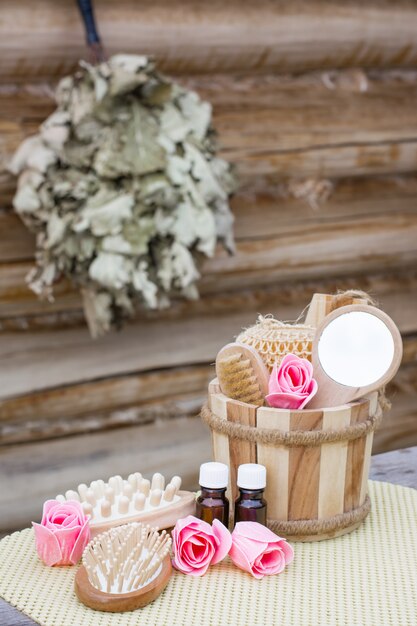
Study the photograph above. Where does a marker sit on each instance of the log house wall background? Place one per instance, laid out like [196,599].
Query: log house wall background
[316,104]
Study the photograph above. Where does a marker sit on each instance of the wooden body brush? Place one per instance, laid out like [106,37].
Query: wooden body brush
[242,374]
[124,568]
[120,501]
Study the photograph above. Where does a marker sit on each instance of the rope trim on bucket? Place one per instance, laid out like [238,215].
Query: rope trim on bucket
[317,526]
[291,439]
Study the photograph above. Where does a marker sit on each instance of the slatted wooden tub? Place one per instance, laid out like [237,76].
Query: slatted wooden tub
[317,461]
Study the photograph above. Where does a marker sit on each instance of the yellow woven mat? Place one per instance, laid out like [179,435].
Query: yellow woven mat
[367,578]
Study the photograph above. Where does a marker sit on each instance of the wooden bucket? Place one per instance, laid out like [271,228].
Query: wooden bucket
[315,489]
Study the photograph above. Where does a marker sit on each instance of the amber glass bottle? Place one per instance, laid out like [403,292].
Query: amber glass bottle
[212,502]
[250,505]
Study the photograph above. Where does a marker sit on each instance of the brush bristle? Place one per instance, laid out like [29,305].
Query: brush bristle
[238,380]
[125,558]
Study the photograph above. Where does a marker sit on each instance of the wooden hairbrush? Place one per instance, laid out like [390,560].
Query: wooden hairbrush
[242,374]
[124,568]
[136,499]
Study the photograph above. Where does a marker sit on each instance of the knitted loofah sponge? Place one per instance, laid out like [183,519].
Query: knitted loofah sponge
[274,339]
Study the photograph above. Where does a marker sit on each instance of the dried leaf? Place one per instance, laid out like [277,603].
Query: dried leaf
[195,226]
[197,112]
[55,230]
[55,130]
[97,308]
[111,270]
[26,200]
[33,154]
[100,83]
[145,286]
[173,125]
[177,269]
[207,183]
[106,217]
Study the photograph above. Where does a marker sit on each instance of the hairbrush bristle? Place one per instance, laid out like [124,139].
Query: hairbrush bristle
[238,380]
[126,558]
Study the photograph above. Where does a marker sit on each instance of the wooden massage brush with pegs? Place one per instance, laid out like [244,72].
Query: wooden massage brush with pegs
[124,568]
[242,374]
[136,499]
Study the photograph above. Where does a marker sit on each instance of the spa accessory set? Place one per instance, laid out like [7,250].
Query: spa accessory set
[292,412]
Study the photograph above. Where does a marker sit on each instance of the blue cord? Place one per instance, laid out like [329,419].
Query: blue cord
[87,14]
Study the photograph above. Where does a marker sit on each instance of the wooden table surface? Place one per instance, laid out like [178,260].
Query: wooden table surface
[398,467]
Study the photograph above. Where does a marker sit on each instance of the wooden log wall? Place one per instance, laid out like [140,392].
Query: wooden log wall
[315,102]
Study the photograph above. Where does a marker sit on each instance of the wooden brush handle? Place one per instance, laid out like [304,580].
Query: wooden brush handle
[322,304]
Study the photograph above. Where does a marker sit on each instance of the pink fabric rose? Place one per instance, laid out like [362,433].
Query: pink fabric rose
[258,550]
[197,545]
[62,534]
[291,385]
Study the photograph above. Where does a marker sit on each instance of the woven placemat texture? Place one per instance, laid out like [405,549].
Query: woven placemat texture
[366,578]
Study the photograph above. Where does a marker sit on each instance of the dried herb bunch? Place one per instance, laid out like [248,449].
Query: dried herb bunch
[124,190]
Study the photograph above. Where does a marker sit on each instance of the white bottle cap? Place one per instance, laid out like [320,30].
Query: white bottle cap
[214,475]
[251,476]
